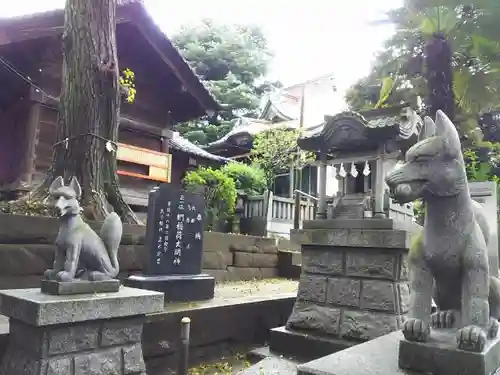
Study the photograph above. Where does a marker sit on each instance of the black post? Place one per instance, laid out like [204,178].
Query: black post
[184,346]
[296,216]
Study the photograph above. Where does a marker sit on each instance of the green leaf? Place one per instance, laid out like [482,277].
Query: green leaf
[385,91]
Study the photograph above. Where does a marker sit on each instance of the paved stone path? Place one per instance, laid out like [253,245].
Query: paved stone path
[242,291]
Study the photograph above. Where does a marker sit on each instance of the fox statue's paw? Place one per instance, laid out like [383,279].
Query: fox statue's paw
[64,276]
[443,319]
[493,328]
[416,330]
[50,274]
[471,339]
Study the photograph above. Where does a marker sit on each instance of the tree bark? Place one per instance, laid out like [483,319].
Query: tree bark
[439,74]
[89,109]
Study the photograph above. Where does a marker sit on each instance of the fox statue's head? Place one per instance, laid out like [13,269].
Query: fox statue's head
[434,167]
[65,198]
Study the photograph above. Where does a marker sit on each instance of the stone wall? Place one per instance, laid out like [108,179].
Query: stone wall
[27,250]
[357,293]
[353,286]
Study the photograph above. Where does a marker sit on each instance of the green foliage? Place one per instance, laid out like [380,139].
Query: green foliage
[275,150]
[419,211]
[127,80]
[248,178]
[231,60]
[385,91]
[472,31]
[219,193]
[482,162]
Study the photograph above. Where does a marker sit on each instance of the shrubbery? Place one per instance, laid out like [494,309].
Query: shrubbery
[219,193]
[220,189]
[249,179]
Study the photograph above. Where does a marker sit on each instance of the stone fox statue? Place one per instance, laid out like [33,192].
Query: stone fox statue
[449,261]
[80,252]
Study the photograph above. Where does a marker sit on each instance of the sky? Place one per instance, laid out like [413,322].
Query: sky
[308,38]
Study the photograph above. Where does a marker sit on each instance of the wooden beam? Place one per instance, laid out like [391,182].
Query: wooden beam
[125,122]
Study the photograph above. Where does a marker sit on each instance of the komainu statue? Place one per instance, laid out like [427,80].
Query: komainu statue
[80,252]
[449,261]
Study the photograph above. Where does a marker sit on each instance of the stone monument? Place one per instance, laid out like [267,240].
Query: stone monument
[354,281]
[81,321]
[174,246]
[448,262]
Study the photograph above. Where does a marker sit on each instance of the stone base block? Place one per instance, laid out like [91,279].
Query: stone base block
[374,357]
[60,288]
[177,288]
[33,307]
[440,356]
[271,365]
[302,345]
[76,335]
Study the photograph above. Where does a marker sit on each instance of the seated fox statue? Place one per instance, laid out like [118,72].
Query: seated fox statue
[80,252]
[449,260]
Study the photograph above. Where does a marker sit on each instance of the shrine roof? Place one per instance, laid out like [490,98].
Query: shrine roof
[155,60]
[184,145]
[244,131]
[348,131]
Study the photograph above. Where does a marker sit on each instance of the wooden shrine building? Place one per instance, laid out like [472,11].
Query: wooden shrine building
[168,92]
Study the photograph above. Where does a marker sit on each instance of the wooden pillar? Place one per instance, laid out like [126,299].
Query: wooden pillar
[321,214]
[379,188]
[291,181]
[32,129]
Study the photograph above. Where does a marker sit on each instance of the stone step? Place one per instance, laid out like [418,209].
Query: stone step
[303,346]
[272,366]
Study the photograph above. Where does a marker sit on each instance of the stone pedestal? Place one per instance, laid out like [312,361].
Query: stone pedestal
[177,288]
[353,286]
[440,356]
[89,334]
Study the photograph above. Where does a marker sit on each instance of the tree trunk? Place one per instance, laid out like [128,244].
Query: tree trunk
[439,76]
[89,109]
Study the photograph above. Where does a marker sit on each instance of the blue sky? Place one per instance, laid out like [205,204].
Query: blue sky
[309,38]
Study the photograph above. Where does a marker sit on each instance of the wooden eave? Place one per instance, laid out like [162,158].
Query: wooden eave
[46,24]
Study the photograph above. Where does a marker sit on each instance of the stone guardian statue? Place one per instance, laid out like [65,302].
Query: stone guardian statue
[81,253]
[449,260]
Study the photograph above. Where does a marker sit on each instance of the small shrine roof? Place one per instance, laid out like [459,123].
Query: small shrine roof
[350,131]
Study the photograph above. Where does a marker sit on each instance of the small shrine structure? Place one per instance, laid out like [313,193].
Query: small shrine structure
[362,147]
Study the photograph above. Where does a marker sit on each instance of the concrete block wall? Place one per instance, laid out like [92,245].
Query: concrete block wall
[232,257]
[27,250]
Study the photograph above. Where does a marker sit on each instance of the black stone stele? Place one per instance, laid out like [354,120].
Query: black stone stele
[60,288]
[174,244]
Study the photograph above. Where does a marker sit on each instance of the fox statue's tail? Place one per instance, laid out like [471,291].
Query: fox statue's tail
[111,235]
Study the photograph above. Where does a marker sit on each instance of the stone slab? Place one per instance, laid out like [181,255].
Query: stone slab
[176,288]
[36,308]
[369,238]
[271,366]
[59,288]
[375,357]
[367,223]
[303,345]
[440,356]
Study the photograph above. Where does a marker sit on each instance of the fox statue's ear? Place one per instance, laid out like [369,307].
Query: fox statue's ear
[446,129]
[428,129]
[76,187]
[56,184]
